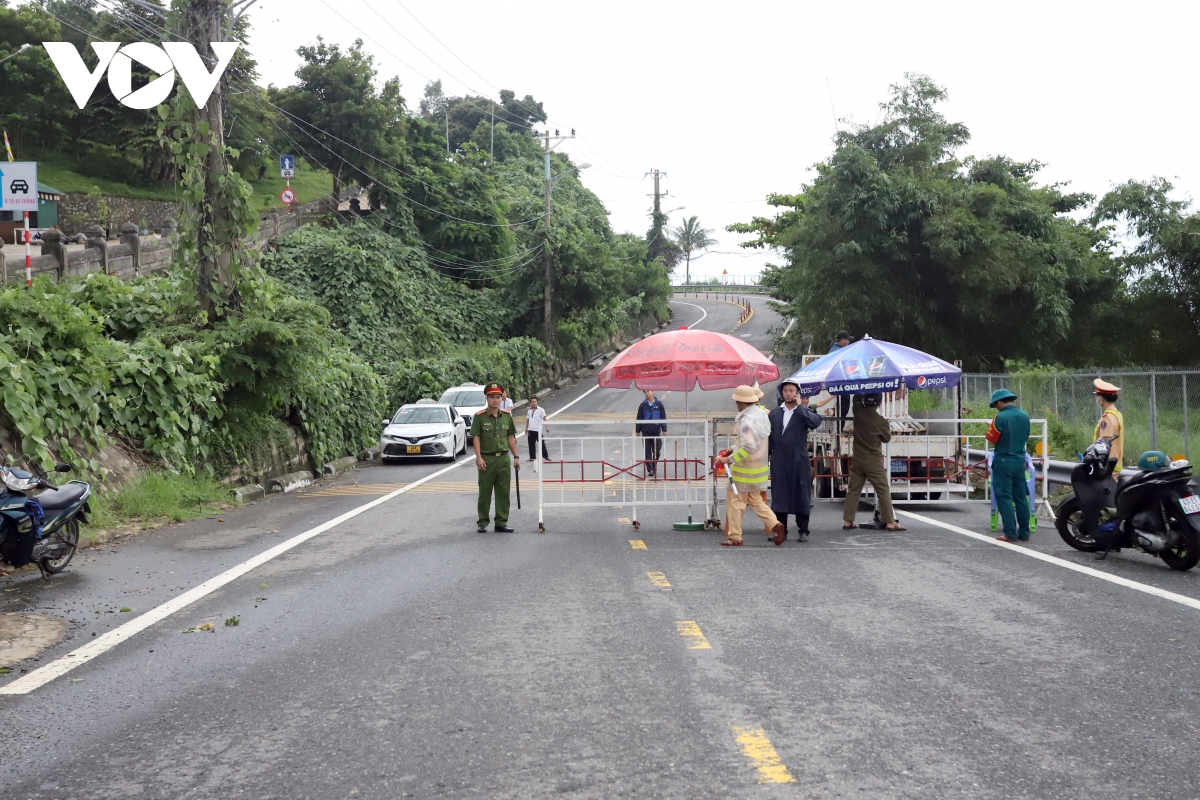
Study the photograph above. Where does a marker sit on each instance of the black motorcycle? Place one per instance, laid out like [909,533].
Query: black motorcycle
[1156,511]
[42,529]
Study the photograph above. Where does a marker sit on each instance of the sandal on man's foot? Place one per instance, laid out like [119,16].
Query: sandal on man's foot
[849,526]
[896,528]
[731,543]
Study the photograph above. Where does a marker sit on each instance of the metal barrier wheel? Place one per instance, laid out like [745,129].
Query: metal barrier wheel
[541,527]
[637,526]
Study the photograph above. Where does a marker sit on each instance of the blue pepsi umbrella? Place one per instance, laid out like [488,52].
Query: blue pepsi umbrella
[872,365]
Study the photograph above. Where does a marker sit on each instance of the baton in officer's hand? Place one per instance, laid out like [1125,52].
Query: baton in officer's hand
[518,476]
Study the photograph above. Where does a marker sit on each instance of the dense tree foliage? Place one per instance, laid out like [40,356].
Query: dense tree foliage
[900,238]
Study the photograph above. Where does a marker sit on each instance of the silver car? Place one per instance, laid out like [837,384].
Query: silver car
[423,429]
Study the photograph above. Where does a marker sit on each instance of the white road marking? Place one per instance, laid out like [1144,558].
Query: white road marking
[704,312]
[573,402]
[1058,562]
[106,642]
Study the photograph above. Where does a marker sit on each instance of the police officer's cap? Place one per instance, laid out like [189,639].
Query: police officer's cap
[493,388]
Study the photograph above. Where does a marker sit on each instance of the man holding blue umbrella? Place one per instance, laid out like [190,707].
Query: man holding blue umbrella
[1009,435]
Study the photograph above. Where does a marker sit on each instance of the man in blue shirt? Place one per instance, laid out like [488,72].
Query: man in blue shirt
[652,410]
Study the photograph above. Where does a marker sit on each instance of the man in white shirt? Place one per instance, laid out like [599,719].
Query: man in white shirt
[535,423]
[506,403]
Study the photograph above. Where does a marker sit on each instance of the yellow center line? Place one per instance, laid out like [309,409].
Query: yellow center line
[688,629]
[624,520]
[637,544]
[659,579]
[758,748]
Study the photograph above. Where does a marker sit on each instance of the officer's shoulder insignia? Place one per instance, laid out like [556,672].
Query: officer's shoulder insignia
[484,411]
[506,412]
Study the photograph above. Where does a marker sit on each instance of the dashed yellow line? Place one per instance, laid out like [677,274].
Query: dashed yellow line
[659,579]
[689,630]
[637,544]
[758,748]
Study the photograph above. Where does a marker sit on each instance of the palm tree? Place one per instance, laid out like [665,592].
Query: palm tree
[691,237]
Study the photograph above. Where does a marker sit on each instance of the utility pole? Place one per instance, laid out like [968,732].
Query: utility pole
[202,25]
[548,315]
[657,205]
[659,220]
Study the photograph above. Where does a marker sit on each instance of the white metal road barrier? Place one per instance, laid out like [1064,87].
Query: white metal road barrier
[603,463]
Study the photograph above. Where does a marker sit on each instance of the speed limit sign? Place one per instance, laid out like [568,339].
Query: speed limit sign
[287,196]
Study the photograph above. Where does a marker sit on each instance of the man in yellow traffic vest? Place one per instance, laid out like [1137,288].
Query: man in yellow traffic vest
[1112,423]
[749,472]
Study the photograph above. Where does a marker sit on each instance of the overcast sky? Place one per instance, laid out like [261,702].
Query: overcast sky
[733,99]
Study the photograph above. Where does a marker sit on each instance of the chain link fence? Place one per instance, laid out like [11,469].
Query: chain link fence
[1161,407]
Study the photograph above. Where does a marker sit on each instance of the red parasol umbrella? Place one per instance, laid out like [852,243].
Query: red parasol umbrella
[678,360]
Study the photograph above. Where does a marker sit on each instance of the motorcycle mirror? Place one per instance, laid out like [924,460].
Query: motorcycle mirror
[63,468]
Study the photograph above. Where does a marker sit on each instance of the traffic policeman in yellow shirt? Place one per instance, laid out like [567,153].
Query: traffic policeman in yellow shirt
[1112,422]
[495,436]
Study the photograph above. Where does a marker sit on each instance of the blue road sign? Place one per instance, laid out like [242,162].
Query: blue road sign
[287,166]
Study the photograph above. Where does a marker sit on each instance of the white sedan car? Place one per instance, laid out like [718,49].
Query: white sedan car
[423,429]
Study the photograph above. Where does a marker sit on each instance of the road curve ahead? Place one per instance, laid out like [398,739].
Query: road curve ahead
[398,653]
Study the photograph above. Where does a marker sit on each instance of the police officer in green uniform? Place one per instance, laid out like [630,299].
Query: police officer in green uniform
[495,436]
[1009,433]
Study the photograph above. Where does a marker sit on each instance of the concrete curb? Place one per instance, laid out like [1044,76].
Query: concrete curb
[542,394]
[248,494]
[339,466]
[370,454]
[290,482]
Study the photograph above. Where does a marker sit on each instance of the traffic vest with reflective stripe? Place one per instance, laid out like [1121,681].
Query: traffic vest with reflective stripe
[749,468]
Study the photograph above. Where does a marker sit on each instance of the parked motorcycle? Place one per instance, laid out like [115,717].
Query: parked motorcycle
[42,529]
[1155,509]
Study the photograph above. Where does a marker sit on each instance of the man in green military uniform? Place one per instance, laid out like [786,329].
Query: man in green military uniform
[495,436]
[1009,433]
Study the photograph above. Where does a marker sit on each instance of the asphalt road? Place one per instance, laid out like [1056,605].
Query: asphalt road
[402,654]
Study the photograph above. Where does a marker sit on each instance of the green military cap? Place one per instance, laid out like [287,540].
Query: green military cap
[1001,394]
[493,388]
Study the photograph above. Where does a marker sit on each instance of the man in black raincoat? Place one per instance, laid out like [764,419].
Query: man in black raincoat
[791,469]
